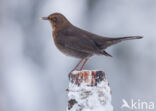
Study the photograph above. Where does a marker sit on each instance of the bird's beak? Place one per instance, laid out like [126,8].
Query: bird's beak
[44,18]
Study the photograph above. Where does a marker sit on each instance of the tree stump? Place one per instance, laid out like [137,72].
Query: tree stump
[88,91]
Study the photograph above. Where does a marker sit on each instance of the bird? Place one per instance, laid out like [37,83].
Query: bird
[79,43]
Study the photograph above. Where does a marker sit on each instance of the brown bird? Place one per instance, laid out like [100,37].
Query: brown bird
[79,43]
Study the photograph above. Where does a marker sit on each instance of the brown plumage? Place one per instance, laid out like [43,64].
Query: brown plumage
[79,43]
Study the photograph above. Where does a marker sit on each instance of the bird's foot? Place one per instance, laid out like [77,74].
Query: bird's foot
[70,73]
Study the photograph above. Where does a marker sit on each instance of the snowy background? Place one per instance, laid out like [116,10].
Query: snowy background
[33,73]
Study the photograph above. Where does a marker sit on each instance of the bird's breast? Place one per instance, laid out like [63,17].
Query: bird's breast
[55,34]
[57,43]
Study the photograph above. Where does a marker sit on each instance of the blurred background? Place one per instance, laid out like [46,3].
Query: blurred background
[33,73]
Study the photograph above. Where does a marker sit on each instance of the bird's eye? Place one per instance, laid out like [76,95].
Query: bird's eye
[54,19]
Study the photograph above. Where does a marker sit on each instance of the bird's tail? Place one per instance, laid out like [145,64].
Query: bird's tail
[112,41]
[128,38]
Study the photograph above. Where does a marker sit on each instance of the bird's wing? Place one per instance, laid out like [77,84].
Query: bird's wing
[77,41]
[104,42]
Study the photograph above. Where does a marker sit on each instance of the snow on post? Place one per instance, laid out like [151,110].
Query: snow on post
[89,91]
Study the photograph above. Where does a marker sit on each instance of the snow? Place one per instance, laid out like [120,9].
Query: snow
[76,71]
[90,98]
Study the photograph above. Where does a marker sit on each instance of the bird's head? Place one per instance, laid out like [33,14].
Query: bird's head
[57,20]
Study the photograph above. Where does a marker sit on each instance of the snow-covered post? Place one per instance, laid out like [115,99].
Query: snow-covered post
[88,91]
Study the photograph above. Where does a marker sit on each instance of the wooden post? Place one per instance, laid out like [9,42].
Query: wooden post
[88,91]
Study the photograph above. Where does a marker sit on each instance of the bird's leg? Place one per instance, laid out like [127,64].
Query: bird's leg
[78,65]
[84,64]
[75,68]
